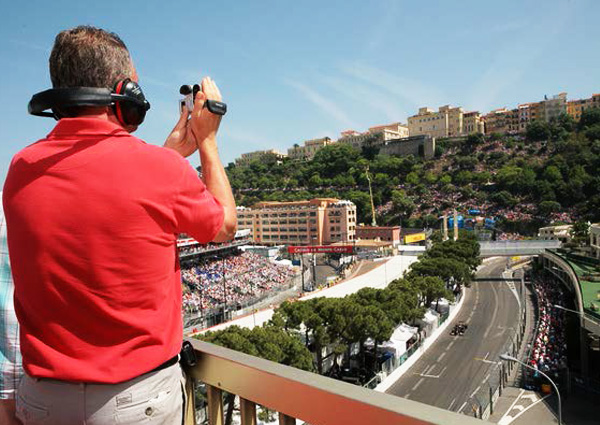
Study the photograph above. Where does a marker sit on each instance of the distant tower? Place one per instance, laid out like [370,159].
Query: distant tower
[455,225]
[445,227]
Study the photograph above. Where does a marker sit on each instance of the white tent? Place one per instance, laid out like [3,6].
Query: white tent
[397,342]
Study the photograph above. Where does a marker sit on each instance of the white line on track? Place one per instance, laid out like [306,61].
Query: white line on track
[417,384]
[475,392]
[485,379]
[451,404]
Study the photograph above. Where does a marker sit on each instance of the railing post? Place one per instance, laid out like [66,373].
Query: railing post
[248,412]
[215,405]
[286,420]
[190,406]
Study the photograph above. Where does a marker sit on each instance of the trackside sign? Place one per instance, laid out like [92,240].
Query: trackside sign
[321,249]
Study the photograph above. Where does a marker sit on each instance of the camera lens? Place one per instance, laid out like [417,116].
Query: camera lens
[185,89]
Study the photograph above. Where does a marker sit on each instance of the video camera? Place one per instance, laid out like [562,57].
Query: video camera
[189,93]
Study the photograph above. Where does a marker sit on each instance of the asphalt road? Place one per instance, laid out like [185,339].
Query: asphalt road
[456,367]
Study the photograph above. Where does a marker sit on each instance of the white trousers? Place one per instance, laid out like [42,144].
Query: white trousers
[155,397]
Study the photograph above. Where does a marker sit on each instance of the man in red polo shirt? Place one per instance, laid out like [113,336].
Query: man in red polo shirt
[93,215]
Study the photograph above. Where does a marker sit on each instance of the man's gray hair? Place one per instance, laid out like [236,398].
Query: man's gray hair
[86,56]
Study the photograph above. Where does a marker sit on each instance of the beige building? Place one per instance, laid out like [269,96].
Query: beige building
[595,239]
[319,221]
[554,107]
[576,107]
[392,131]
[473,123]
[309,148]
[446,122]
[377,135]
[560,233]
[498,121]
[247,158]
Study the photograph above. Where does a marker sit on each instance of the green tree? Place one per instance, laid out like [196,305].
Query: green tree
[537,131]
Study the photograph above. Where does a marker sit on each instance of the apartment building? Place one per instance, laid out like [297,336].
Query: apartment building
[560,233]
[319,221]
[595,239]
[446,122]
[392,131]
[498,121]
[247,158]
[554,106]
[576,107]
[377,135]
[472,123]
[309,148]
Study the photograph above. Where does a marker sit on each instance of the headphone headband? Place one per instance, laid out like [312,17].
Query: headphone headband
[65,97]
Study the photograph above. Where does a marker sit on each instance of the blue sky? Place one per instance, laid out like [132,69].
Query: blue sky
[292,71]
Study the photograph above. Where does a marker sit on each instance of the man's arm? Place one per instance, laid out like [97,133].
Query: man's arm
[204,126]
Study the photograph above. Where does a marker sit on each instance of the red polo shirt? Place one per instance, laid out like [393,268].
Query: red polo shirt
[92,215]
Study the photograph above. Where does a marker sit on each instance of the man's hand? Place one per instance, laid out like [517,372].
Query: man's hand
[204,124]
[181,138]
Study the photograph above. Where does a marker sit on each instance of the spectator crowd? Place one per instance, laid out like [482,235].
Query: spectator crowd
[241,276]
[549,351]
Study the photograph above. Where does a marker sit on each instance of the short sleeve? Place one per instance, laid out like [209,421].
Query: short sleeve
[197,212]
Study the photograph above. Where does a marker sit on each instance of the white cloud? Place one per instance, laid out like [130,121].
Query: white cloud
[374,99]
[321,102]
[415,92]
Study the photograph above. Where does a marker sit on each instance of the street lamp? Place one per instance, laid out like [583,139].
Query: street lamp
[560,307]
[507,357]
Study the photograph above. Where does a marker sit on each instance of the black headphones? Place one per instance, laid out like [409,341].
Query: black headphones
[127,100]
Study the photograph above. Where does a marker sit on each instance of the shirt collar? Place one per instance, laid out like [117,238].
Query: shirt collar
[85,126]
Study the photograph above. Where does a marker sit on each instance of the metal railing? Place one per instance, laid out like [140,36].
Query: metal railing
[296,394]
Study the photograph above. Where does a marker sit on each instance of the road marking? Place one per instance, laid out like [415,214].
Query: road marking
[485,361]
[486,356]
[451,404]
[513,404]
[417,384]
[441,356]
[407,395]
[507,419]
[462,407]
[451,344]
[532,397]
[495,313]
[485,379]
[475,392]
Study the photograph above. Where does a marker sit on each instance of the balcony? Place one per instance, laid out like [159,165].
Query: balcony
[301,395]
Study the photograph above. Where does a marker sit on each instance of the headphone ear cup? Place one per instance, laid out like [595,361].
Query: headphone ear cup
[130,112]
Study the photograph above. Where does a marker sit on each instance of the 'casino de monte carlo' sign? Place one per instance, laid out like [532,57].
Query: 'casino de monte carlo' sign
[321,249]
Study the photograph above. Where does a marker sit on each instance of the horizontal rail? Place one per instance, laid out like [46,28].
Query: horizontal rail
[307,396]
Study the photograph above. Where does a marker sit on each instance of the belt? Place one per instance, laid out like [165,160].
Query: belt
[166,364]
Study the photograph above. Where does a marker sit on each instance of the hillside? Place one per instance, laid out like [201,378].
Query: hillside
[550,174]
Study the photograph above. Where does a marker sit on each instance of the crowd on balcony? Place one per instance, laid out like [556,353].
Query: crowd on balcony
[247,276]
[549,351]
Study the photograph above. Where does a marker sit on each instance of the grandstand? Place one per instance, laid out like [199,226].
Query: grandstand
[220,278]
